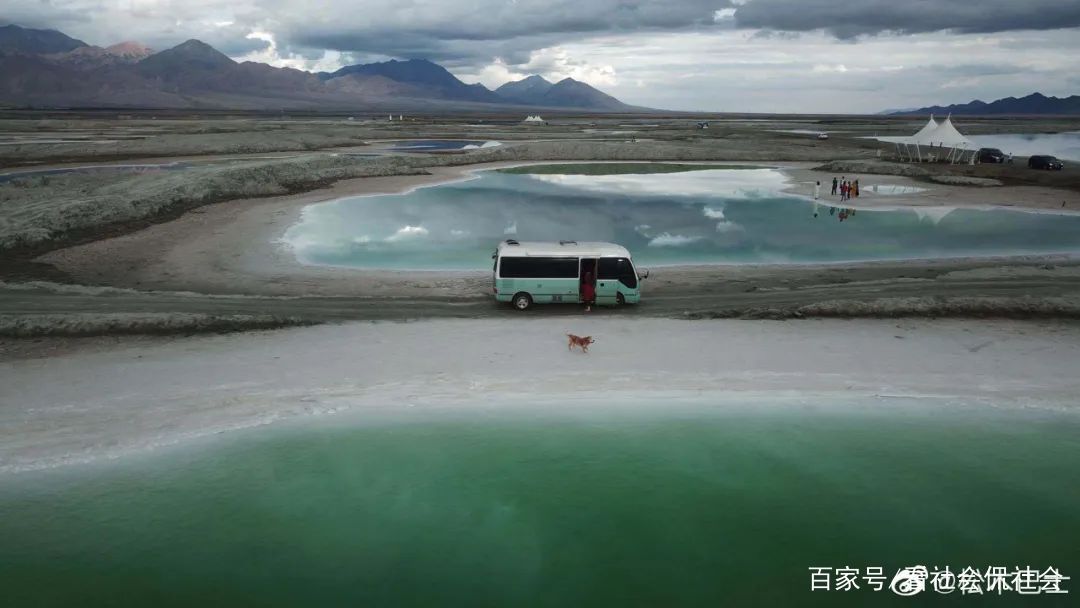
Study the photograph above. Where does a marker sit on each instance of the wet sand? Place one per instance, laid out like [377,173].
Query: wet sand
[87,405]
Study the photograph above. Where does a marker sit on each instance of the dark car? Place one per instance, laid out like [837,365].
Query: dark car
[1045,162]
[991,155]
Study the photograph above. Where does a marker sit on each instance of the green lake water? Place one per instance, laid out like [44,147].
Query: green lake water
[714,216]
[644,504]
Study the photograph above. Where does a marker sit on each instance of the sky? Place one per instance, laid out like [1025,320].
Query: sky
[831,56]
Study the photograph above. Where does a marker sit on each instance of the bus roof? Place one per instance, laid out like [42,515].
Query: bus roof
[512,248]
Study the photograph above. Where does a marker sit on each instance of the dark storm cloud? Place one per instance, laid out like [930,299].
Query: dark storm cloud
[848,19]
[476,30]
[410,45]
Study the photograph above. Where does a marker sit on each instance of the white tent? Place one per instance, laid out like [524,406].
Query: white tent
[943,135]
[928,129]
[533,119]
[946,135]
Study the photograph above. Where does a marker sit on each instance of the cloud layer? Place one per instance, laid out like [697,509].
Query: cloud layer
[848,19]
[768,55]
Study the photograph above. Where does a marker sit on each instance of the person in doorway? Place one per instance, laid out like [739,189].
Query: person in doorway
[834,185]
[588,291]
[817,190]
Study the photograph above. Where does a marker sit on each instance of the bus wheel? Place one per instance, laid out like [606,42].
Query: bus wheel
[522,301]
[620,299]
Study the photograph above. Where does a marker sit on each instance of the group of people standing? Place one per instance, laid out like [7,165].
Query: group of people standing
[846,189]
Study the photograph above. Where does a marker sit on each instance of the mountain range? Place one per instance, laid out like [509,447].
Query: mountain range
[1036,103]
[46,68]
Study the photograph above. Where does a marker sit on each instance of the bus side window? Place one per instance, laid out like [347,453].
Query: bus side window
[607,269]
[538,268]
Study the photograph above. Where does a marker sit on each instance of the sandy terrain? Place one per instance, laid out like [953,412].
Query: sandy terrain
[89,405]
[197,250]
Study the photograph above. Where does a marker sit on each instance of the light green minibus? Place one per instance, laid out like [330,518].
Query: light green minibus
[527,273]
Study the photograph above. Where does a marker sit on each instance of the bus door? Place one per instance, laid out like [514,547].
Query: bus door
[589,266]
[607,282]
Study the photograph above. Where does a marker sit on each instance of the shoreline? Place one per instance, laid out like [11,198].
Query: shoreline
[108,402]
[212,261]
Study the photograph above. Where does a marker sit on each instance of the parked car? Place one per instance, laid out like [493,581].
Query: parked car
[1049,163]
[823,136]
[991,155]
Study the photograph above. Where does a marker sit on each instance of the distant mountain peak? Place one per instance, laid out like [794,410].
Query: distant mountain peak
[526,90]
[44,68]
[189,54]
[422,78]
[129,48]
[194,46]
[15,39]
[567,93]
[92,57]
[1035,103]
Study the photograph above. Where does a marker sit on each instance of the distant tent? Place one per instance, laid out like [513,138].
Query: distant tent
[946,135]
[943,135]
[927,130]
[534,119]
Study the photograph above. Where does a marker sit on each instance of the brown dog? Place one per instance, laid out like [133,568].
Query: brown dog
[580,341]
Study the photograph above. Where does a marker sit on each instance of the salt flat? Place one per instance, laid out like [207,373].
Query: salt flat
[88,405]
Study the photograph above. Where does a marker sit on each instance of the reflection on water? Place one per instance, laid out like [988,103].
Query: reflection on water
[441,145]
[894,189]
[676,218]
[672,504]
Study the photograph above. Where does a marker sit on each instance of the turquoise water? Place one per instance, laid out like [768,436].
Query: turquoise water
[716,216]
[642,504]
[435,145]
